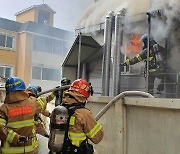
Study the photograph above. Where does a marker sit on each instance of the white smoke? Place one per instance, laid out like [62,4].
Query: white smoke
[172,13]
[163,27]
[96,13]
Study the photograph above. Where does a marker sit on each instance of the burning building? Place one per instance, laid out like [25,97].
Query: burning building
[99,49]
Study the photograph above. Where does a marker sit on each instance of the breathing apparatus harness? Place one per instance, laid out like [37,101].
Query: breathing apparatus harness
[68,147]
[156,59]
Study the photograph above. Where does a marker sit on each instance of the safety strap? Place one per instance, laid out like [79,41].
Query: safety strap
[71,110]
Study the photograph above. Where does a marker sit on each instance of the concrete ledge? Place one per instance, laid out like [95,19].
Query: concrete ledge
[153,102]
[102,99]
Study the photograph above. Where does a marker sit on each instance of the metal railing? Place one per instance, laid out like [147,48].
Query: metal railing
[90,29]
[171,84]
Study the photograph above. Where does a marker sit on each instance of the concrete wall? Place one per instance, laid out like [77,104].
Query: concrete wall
[137,125]
[24,57]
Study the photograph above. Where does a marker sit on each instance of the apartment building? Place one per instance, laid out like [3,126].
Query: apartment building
[31,48]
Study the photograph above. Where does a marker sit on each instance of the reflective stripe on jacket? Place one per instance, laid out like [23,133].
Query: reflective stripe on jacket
[83,125]
[17,118]
[6,149]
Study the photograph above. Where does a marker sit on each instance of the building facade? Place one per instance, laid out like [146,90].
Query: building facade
[31,48]
[131,28]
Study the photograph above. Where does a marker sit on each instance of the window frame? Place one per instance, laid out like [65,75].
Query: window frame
[41,73]
[6,38]
[41,17]
[54,41]
[4,71]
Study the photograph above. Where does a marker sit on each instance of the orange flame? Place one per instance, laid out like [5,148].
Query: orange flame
[135,44]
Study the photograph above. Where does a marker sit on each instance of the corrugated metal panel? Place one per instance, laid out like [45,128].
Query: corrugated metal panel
[95,72]
[95,75]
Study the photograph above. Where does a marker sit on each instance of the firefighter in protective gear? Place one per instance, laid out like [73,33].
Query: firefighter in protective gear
[40,125]
[60,94]
[65,81]
[156,62]
[82,124]
[17,129]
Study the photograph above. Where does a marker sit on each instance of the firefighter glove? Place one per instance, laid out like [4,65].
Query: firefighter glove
[122,65]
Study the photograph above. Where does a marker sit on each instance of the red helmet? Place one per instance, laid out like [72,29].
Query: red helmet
[81,86]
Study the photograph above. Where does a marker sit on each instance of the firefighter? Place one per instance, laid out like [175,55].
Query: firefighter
[65,81]
[60,93]
[81,124]
[156,62]
[17,129]
[40,125]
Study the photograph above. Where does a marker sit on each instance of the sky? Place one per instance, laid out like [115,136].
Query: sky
[68,12]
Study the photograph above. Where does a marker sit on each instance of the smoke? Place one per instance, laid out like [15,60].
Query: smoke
[164,26]
[96,12]
[172,30]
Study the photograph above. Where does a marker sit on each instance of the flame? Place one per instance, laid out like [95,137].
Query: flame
[135,44]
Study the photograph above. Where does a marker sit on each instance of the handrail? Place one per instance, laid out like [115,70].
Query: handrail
[170,79]
[121,96]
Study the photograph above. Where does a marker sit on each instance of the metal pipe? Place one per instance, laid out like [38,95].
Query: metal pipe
[121,96]
[54,89]
[148,50]
[177,84]
[107,54]
[103,74]
[117,52]
[79,58]
[116,47]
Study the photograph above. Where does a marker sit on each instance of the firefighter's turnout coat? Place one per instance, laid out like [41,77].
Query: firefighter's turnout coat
[17,118]
[157,57]
[82,123]
[40,125]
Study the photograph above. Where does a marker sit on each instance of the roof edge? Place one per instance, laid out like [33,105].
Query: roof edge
[35,6]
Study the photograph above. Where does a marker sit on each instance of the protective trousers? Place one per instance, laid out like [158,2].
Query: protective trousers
[152,77]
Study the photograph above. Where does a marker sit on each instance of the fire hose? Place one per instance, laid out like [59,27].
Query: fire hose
[54,89]
[112,102]
[121,96]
